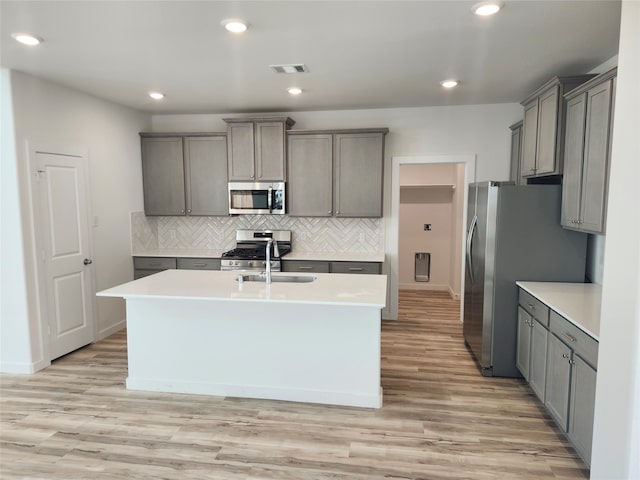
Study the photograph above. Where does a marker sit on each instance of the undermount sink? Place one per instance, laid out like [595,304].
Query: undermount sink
[277,278]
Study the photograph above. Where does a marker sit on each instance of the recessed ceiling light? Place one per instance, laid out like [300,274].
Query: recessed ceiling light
[294,90]
[156,95]
[449,83]
[235,25]
[27,39]
[487,8]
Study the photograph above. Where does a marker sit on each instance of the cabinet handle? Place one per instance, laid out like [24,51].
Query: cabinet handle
[565,355]
[182,211]
[199,264]
[531,306]
[329,212]
[355,269]
[189,211]
[571,338]
[572,362]
[305,268]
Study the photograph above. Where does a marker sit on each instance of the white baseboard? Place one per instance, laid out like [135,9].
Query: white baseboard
[102,334]
[22,368]
[454,295]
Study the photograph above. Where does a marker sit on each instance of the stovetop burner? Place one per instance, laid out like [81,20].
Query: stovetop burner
[254,253]
[251,244]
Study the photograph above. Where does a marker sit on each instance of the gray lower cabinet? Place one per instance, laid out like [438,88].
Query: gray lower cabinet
[320,266]
[587,153]
[531,357]
[558,381]
[336,173]
[145,266]
[305,266]
[583,399]
[543,127]
[199,263]
[559,361]
[184,174]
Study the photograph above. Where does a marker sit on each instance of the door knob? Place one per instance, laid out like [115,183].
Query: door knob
[87,261]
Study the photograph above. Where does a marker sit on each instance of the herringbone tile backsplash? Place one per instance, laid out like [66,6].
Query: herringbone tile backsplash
[361,235]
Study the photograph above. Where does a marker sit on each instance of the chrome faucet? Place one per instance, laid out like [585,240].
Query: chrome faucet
[267,273]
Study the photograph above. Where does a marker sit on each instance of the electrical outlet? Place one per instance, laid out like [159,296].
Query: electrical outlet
[427,227]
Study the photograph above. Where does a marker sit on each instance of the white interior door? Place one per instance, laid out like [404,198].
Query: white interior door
[66,252]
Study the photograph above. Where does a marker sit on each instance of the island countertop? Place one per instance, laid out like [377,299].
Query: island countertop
[579,303]
[329,289]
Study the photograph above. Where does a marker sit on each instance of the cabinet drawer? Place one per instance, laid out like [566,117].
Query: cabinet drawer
[580,342]
[154,263]
[305,266]
[137,273]
[199,263]
[355,267]
[534,307]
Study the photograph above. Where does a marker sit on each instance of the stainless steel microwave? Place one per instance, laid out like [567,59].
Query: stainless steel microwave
[257,198]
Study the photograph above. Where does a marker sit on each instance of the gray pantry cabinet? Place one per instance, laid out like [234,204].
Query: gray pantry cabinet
[184,174]
[543,127]
[257,148]
[587,153]
[561,369]
[336,173]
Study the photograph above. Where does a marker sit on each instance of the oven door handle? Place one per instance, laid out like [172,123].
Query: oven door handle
[269,199]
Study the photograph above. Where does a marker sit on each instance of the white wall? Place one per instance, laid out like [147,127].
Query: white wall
[616,445]
[47,114]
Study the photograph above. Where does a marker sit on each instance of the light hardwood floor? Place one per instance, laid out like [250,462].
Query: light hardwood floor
[440,419]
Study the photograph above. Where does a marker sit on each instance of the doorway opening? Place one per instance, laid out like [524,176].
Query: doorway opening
[428,192]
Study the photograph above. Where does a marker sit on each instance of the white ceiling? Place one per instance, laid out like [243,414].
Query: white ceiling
[360,54]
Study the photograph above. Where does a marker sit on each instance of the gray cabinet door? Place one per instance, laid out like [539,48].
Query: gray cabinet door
[310,165]
[573,154]
[241,152]
[524,343]
[163,176]
[596,156]
[556,397]
[358,161]
[270,151]
[547,131]
[538,359]
[583,397]
[529,139]
[368,268]
[516,150]
[206,171]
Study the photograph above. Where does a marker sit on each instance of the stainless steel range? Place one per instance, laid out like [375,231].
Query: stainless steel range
[251,250]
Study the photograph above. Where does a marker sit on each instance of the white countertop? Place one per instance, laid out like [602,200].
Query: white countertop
[579,303]
[292,255]
[329,288]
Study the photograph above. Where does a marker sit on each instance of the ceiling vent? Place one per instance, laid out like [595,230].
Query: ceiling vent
[292,68]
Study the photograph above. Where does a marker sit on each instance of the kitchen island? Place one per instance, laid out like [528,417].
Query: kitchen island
[203,332]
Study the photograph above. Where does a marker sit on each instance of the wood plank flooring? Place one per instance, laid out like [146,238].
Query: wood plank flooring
[440,420]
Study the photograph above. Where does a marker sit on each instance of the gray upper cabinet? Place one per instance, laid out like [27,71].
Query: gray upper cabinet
[310,165]
[163,176]
[543,127]
[184,174]
[336,173]
[516,153]
[587,154]
[257,148]
[206,167]
[359,160]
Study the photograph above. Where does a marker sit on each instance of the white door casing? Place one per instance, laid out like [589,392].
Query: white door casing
[64,246]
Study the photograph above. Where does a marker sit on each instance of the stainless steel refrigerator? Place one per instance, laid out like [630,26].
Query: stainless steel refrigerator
[513,233]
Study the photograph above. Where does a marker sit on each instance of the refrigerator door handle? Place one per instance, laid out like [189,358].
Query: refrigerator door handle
[472,227]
